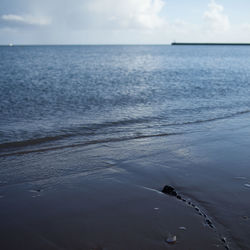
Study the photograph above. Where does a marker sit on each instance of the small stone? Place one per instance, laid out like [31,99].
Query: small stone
[171,239]
[223,239]
[178,197]
[209,222]
[169,190]
[247,185]
[182,228]
[156,208]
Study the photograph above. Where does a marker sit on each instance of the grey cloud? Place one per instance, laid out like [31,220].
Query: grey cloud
[27,19]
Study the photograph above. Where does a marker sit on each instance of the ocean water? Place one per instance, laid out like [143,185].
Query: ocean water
[64,96]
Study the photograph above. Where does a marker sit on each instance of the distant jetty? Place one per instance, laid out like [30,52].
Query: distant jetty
[212,44]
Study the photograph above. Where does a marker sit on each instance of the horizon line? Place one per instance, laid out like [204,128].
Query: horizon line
[82,44]
[123,44]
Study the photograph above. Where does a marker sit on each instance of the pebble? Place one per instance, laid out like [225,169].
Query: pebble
[182,228]
[209,222]
[247,185]
[197,209]
[224,240]
[171,239]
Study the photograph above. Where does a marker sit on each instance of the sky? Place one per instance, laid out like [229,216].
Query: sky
[123,21]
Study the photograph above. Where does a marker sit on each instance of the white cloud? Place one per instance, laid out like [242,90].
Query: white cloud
[119,21]
[130,14]
[215,18]
[27,19]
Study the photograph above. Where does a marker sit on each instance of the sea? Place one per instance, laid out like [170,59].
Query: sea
[62,96]
[55,100]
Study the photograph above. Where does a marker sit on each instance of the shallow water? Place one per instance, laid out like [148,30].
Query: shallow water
[154,115]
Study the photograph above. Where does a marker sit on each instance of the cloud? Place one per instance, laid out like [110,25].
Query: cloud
[117,21]
[85,21]
[130,14]
[215,19]
[27,19]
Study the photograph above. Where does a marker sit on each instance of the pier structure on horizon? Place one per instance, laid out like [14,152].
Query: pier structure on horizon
[230,44]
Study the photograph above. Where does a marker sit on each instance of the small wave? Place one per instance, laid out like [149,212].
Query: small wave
[97,128]
[108,140]
[210,119]
[30,142]
[123,122]
[83,130]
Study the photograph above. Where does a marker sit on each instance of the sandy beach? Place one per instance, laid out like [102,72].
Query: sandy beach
[118,203]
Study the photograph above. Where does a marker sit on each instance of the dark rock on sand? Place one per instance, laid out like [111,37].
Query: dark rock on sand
[169,190]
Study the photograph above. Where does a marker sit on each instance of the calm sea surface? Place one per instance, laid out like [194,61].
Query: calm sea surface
[65,95]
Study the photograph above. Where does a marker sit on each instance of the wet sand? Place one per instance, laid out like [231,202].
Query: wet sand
[117,203]
[88,212]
